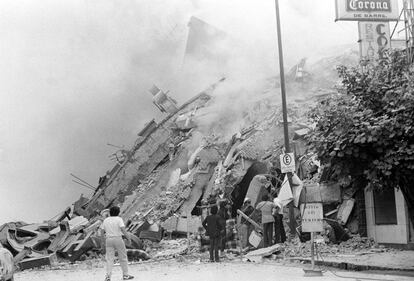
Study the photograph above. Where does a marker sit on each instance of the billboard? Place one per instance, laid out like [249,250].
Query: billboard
[374,39]
[367,10]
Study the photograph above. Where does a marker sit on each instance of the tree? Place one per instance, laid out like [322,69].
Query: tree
[366,130]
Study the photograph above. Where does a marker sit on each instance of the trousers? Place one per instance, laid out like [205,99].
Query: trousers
[280,234]
[223,241]
[267,234]
[116,244]
[214,245]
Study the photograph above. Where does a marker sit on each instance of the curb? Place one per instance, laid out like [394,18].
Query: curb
[352,266]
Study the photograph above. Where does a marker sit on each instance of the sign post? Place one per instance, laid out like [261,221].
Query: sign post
[292,222]
[312,221]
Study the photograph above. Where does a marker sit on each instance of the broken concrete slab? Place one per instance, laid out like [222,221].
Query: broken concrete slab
[58,241]
[345,210]
[265,252]
[136,243]
[323,192]
[17,243]
[155,236]
[200,181]
[257,189]
[23,254]
[76,249]
[48,260]
[74,223]
[191,224]
[170,224]
[137,227]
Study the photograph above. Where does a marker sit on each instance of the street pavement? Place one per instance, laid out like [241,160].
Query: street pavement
[202,271]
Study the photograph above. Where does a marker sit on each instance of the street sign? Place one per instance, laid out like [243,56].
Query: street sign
[367,10]
[287,163]
[312,217]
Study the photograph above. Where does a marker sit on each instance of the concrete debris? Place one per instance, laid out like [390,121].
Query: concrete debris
[48,260]
[137,255]
[6,264]
[264,252]
[345,210]
[356,245]
[322,192]
[155,236]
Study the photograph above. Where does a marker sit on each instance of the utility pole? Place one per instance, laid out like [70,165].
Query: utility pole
[292,221]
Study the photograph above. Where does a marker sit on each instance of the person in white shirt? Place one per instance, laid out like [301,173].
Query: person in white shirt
[114,227]
[266,207]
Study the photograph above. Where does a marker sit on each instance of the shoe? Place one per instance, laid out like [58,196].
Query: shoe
[107,278]
[127,277]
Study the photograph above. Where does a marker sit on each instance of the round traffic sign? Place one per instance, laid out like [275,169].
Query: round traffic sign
[287,159]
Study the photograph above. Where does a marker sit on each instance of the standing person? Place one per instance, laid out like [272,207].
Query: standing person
[224,216]
[114,227]
[267,219]
[280,234]
[213,227]
[246,227]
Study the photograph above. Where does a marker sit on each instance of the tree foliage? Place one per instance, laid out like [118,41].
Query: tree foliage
[367,128]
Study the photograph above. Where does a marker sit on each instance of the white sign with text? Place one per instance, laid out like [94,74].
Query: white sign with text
[312,217]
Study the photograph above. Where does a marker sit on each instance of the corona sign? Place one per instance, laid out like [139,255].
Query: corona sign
[374,39]
[367,10]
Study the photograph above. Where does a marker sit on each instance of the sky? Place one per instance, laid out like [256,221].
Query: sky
[74,77]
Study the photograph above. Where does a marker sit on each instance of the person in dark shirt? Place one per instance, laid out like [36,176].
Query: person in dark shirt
[224,216]
[280,234]
[213,226]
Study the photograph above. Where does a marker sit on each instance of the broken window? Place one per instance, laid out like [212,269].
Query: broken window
[384,207]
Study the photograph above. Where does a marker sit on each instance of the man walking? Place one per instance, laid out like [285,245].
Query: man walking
[213,226]
[114,227]
[267,219]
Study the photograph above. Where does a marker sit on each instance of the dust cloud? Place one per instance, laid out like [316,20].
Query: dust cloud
[75,75]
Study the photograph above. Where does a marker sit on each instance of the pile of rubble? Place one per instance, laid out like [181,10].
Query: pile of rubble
[70,237]
[356,246]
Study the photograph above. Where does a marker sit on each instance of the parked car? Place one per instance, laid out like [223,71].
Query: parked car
[6,265]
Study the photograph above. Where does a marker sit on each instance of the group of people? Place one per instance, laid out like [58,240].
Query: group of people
[272,222]
[215,225]
[272,215]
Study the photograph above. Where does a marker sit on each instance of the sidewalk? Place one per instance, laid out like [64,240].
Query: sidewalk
[392,260]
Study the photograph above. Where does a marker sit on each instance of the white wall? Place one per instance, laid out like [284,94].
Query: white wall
[394,233]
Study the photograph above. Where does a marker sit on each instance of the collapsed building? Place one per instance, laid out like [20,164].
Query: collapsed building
[180,166]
